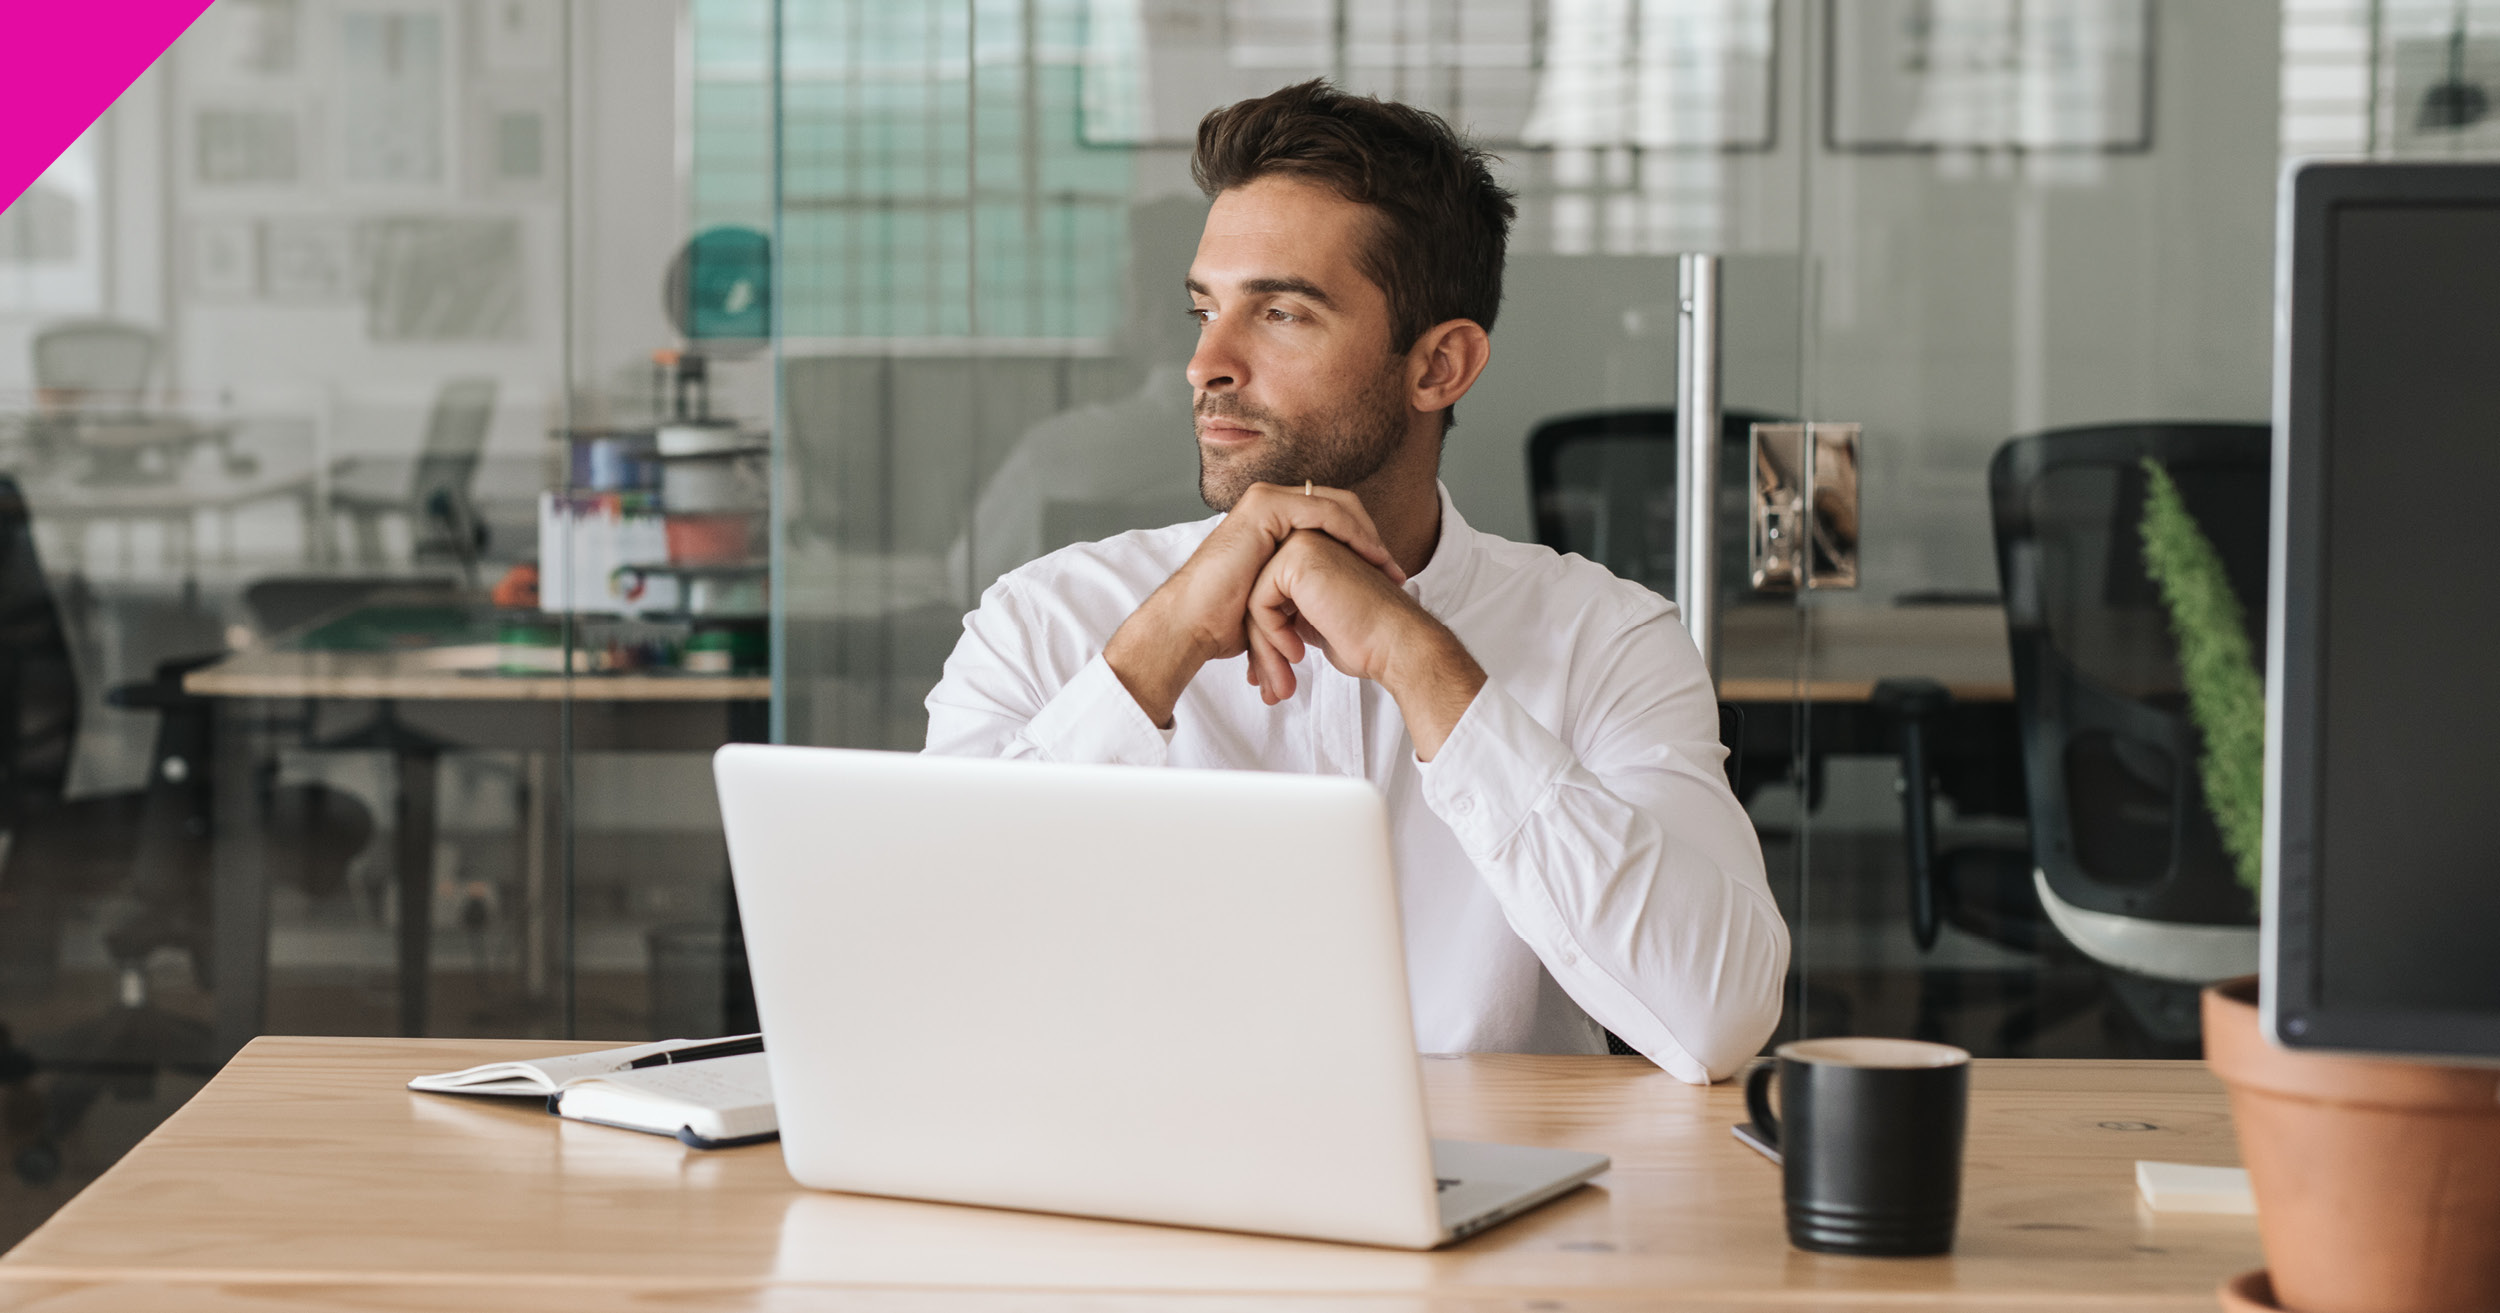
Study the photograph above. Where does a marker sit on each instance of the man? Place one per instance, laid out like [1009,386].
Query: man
[1569,854]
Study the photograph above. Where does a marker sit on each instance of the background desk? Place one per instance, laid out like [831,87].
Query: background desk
[425,703]
[1846,649]
[304,1176]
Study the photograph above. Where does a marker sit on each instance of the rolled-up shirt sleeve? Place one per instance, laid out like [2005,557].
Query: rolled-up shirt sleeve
[1624,860]
[1018,687]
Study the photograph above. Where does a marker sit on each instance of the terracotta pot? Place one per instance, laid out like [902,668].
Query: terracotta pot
[710,539]
[2377,1181]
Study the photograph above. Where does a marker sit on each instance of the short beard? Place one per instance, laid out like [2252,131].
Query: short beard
[1338,449]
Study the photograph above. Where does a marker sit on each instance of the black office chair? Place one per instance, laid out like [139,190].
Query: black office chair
[1981,884]
[1982,888]
[2130,867]
[1603,483]
[141,858]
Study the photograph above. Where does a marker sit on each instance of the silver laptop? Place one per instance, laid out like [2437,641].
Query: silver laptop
[1158,995]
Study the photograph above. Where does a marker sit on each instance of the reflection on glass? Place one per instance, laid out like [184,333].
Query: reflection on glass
[291,343]
[1130,462]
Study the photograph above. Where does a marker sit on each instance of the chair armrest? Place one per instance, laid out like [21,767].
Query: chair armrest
[165,690]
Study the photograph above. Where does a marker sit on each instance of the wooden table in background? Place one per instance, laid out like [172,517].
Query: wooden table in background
[1845,649]
[304,1176]
[429,699]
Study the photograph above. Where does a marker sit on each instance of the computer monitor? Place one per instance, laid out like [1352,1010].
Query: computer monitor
[2382,925]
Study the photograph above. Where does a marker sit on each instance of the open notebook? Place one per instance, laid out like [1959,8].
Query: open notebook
[711,1103]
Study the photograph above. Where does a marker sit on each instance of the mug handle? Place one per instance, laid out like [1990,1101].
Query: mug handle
[1758,1101]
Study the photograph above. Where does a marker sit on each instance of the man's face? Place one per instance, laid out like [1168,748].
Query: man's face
[1293,375]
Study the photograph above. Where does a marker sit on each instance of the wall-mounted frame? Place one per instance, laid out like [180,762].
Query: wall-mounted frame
[1664,75]
[308,260]
[396,121]
[244,41]
[246,146]
[221,259]
[2045,76]
[514,134]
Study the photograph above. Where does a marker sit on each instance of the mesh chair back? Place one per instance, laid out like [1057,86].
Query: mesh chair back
[1604,485]
[95,362]
[455,434]
[2118,816]
[38,683]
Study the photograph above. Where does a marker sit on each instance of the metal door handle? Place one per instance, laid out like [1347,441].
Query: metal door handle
[1697,452]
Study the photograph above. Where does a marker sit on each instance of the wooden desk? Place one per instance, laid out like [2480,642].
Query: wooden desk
[1845,649]
[428,698]
[455,674]
[304,1176]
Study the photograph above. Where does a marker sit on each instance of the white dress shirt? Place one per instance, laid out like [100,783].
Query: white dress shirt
[1572,857]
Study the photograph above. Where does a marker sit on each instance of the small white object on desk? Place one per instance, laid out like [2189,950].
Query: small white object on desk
[710,1104]
[2182,1188]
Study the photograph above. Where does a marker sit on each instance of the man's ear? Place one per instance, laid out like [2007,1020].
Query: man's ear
[1445,362]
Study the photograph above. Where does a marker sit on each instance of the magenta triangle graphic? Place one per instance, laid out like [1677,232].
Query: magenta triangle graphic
[62,62]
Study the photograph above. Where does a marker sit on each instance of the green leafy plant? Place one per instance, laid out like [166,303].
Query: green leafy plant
[2226,694]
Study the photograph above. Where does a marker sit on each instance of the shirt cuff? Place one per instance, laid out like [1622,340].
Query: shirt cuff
[1095,719]
[1493,771]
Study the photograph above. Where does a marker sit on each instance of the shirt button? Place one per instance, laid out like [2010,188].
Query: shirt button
[1465,806]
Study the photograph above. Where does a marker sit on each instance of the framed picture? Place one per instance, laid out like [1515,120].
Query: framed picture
[224,259]
[242,40]
[515,141]
[308,261]
[519,36]
[394,117]
[2012,75]
[439,278]
[245,146]
[1698,75]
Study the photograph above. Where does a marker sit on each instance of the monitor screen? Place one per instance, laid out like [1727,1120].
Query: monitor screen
[2388,829]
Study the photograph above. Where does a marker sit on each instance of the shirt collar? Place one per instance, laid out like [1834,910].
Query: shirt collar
[1442,584]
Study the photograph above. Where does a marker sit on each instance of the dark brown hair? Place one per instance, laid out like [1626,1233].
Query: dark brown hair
[1443,222]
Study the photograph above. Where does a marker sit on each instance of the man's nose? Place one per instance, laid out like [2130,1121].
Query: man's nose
[1216,366]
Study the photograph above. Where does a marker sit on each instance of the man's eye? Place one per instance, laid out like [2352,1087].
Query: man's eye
[1200,315]
[1279,316]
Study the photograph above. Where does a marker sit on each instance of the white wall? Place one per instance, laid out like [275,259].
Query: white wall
[1961,301]
[597,226]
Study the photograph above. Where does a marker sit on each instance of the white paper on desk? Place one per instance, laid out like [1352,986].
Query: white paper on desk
[544,1076]
[2182,1188]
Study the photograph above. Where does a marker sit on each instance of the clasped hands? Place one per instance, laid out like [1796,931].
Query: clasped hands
[1290,569]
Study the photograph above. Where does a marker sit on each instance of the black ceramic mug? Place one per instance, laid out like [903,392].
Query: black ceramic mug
[1870,1139]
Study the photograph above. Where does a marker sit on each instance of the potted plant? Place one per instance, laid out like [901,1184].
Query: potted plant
[2377,1181]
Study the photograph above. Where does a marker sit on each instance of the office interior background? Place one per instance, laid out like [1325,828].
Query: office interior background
[348,308]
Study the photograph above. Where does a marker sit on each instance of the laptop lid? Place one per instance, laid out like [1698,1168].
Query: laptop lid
[1158,995]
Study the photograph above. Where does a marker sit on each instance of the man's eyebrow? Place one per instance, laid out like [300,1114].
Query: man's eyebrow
[1301,287]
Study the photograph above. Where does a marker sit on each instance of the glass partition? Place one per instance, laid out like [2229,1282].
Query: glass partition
[2041,244]
[392,394]
[307,347]
[1949,225]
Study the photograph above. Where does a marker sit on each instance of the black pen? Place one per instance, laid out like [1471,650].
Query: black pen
[720,1048]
